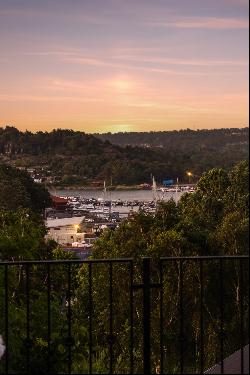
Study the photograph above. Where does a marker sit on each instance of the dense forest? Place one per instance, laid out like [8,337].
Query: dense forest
[67,157]
[211,221]
[183,139]
[17,190]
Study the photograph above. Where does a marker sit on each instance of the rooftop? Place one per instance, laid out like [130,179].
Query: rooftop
[59,199]
[50,223]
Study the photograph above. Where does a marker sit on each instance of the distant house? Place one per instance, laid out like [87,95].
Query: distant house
[65,231]
[97,183]
[145,186]
[31,170]
[38,180]
[59,203]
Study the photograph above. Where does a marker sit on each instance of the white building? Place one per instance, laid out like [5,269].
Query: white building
[65,231]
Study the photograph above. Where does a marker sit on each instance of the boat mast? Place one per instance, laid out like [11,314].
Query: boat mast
[104,194]
[105,197]
[176,189]
[154,190]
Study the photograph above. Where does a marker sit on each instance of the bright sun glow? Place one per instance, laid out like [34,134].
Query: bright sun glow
[122,85]
[115,128]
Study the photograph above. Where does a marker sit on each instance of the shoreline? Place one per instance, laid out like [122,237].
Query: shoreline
[113,188]
[87,188]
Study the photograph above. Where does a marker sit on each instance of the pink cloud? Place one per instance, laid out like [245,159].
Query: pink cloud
[110,64]
[204,23]
[179,61]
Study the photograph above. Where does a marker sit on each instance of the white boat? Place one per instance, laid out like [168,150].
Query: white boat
[156,191]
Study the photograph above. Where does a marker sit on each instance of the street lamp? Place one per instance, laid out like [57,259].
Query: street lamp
[189,175]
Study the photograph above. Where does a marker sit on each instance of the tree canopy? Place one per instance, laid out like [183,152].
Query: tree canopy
[221,199]
[17,190]
[211,221]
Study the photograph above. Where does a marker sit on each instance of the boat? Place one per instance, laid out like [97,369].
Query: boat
[155,191]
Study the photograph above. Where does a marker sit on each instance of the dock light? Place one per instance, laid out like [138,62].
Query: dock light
[189,175]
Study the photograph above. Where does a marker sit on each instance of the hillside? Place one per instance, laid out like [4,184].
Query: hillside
[66,157]
[182,140]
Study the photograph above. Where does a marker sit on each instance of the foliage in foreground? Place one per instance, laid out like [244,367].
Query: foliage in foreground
[211,221]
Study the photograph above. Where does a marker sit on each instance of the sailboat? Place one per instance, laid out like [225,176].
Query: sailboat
[176,190]
[155,191]
[104,199]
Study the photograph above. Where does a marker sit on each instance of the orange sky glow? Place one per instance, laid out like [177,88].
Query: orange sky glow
[125,66]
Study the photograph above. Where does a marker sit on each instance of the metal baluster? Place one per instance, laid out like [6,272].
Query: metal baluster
[146,317]
[28,340]
[131,319]
[6,311]
[181,319]
[161,320]
[201,320]
[241,321]
[69,321]
[90,318]
[111,338]
[49,316]
[221,319]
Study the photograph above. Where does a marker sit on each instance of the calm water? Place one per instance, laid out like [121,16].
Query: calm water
[129,195]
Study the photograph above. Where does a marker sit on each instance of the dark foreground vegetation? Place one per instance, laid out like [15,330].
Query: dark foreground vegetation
[211,221]
[66,157]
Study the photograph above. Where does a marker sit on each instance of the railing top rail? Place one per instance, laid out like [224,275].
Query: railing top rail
[121,260]
[205,257]
[66,261]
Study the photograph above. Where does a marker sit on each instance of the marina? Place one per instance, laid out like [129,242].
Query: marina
[121,198]
[123,202]
[78,217]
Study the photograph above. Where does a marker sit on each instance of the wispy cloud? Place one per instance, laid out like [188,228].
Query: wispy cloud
[95,62]
[179,61]
[49,98]
[218,23]
[63,53]
[243,3]
[26,12]
[119,58]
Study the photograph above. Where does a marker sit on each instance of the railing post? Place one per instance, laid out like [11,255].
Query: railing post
[146,317]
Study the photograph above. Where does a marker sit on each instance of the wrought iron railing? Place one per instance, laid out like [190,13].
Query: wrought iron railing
[108,316]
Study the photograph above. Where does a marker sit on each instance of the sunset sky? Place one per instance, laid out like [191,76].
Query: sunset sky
[123,65]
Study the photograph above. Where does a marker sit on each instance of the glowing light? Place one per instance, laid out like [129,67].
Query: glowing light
[121,128]
[122,84]
[190,174]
